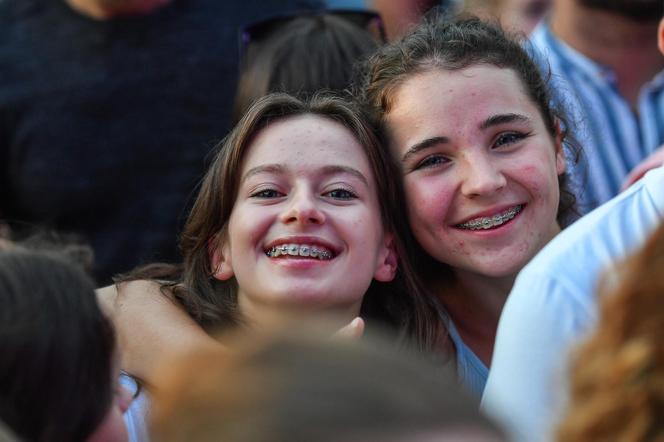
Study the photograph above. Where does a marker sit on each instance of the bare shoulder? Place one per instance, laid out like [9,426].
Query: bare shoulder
[106,296]
[131,293]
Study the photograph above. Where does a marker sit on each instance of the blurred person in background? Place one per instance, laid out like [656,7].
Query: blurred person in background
[108,109]
[400,15]
[302,386]
[520,16]
[607,70]
[305,53]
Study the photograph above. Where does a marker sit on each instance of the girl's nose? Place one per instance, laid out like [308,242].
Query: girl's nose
[481,176]
[303,209]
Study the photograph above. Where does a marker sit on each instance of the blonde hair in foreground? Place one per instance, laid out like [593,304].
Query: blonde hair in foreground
[617,377]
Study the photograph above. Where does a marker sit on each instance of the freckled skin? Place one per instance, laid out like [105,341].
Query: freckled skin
[476,171]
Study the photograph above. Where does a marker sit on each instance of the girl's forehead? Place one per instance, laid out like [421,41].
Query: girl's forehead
[306,141]
[479,87]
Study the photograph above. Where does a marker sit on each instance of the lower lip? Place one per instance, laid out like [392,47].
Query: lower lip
[300,263]
[501,229]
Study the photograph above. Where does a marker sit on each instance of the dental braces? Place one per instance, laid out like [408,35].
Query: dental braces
[492,221]
[299,250]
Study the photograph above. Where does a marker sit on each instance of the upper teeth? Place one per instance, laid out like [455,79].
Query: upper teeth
[299,250]
[491,221]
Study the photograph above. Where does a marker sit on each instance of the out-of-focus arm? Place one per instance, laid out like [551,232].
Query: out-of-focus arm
[655,160]
[150,327]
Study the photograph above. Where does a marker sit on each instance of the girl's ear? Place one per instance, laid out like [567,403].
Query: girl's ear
[219,255]
[387,262]
[561,160]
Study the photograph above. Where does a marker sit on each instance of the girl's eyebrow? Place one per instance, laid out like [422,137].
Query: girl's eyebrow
[493,120]
[496,120]
[279,169]
[422,145]
[335,169]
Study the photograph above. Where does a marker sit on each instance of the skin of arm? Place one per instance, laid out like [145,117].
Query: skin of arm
[655,160]
[150,327]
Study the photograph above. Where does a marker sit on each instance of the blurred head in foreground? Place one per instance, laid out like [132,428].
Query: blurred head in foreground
[300,387]
[58,371]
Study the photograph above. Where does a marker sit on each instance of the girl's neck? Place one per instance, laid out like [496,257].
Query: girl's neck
[474,303]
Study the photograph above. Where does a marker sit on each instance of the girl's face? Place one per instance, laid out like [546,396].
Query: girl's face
[480,168]
[305,231]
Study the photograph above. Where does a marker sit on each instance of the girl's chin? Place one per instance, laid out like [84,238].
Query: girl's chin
[489,269]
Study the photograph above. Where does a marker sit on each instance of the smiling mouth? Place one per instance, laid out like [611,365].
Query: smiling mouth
[300,250]
[490,222]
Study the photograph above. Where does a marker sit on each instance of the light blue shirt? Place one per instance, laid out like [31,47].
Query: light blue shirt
[614,137]
[471,370]
[552,305]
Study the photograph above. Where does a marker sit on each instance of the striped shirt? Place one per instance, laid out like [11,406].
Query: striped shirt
[614,137]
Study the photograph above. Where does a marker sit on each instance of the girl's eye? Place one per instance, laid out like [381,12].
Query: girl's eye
[509,138]
[341,194]
[431,161]
[266,193]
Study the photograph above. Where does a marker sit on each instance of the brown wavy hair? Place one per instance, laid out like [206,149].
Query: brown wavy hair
[617,376]
[402,303]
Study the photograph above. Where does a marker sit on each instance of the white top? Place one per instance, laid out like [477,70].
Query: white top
[552,304]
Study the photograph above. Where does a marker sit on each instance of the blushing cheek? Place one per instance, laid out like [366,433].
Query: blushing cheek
[251,224]
[357,226]
[532,178]
[427,203]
